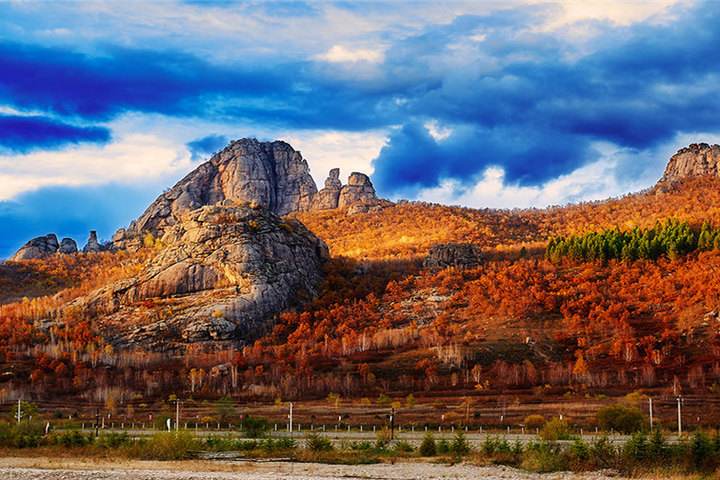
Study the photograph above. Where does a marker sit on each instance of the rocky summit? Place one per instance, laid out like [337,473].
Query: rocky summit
[271,175]
[695,160]
[221,274]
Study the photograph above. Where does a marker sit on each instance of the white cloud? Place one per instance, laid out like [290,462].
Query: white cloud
[134,158]
[341,54]
[595,181]
[437,131]
[621,12]
[348,151]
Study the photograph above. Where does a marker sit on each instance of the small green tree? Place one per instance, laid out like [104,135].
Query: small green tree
[428,448]
[255,427]
[460,445]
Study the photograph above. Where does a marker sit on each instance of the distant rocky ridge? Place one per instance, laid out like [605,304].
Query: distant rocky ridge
[697,159]
[225,271]
[47,245]
[271,175]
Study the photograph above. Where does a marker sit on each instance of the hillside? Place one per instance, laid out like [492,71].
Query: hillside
[513,324]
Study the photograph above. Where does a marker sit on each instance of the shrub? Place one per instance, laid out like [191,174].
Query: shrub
[72,439]
[460,445]
[603,452]
[318,443]
[636,448]
[403,447]
[382,438]
[255,427]
[554,430]
[703,454]
[22,435]
[113,440]
[621,418]
[443,447]
[657,448]
[220,444]
[362,446]
[428,448]
[543,457]
[169,446]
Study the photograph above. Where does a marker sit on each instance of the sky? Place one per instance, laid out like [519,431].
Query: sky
[503,104]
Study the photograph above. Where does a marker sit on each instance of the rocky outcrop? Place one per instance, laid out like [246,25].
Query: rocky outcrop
[92,245]
[269,174]
[698,159]
[327,198]
[358,191]
[224,271]
[357,196]
[39,247]
[68,246]
[458,255]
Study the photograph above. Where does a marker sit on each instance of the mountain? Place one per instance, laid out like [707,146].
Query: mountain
[441,301]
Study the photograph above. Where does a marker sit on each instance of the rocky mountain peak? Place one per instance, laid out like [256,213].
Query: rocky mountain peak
[271,175]
[697,159]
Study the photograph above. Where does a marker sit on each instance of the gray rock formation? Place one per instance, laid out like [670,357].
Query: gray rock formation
[39,247]
[359,190]
[695,160]
[269,174]
[92,245]
[458,255]
[68,246]
[327,198]
[224,272]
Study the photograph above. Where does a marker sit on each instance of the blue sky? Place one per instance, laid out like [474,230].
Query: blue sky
[495,103]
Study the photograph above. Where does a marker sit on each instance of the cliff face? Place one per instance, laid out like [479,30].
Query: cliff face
[223,272]
[697,159]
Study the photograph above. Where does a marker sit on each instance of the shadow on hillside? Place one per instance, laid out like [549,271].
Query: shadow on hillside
[19,280]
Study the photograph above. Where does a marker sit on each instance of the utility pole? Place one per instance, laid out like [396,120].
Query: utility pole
[651,413]
[177,414]
[392,424]
[290,426]
[97,422]
[679,420]
[19,413]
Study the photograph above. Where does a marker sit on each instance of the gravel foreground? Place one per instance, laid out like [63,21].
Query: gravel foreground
[285,471]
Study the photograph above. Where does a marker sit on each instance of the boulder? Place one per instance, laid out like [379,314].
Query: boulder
[225,272]
[68,246]
[39,247]
[458,255]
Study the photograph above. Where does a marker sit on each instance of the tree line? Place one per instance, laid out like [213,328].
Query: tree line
[671,238]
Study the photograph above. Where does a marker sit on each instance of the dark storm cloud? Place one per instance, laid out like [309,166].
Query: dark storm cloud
[22,134]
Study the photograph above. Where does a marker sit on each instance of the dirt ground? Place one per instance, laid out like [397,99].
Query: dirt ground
[93,469]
